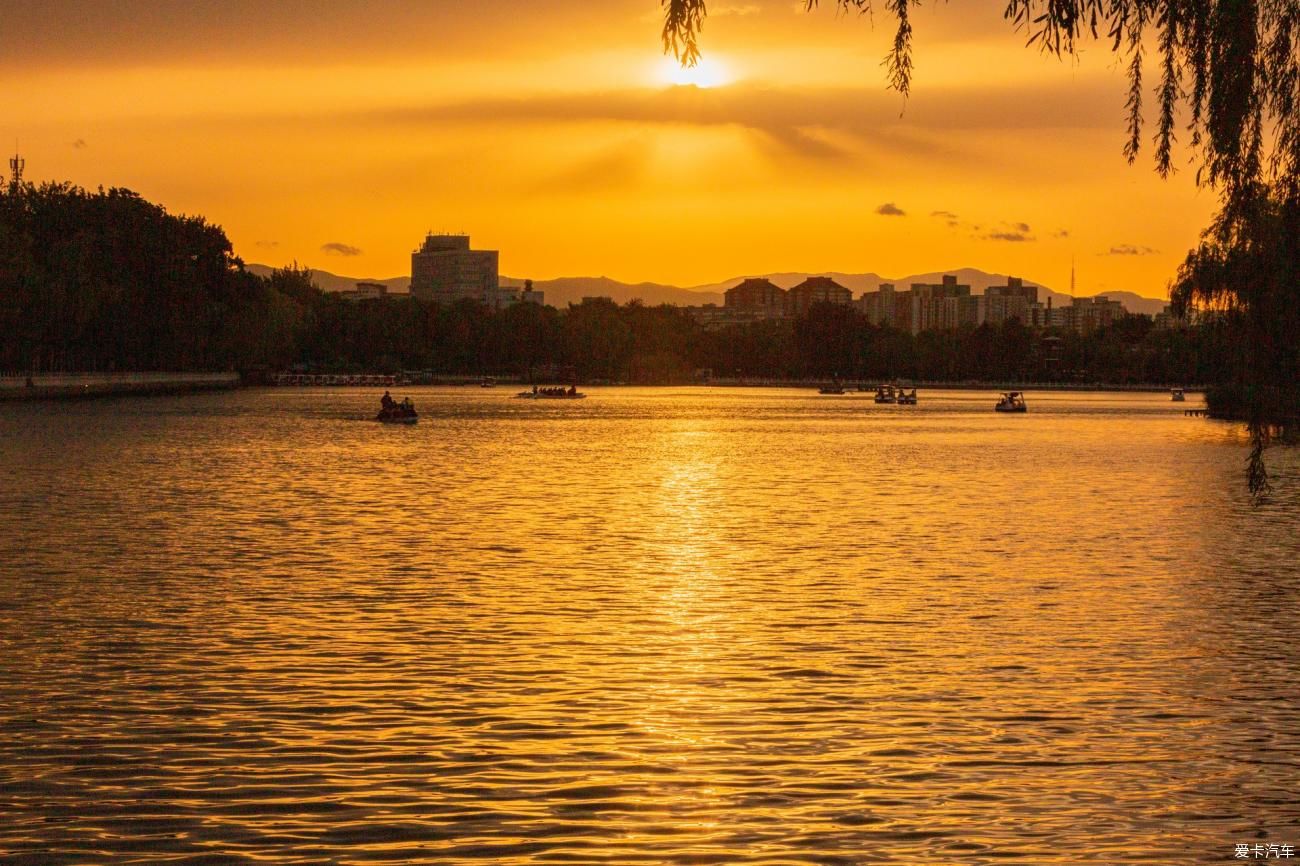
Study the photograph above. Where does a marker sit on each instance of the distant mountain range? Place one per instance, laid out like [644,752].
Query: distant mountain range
[566,290]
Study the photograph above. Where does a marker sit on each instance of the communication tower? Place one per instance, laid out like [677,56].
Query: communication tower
[16,166]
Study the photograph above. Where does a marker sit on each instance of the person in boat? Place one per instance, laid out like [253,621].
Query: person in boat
[408,406]
[573,389]
[534,389]
[387,402]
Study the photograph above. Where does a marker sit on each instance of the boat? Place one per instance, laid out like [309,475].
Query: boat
[398,415]
[905,399]
[1012,401]
[1176,394]
[561,393]
[885,394]
[393,412]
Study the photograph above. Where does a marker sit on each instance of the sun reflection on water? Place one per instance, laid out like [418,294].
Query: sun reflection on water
[691,625]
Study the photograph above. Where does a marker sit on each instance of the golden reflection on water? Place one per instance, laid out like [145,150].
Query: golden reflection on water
[681,626]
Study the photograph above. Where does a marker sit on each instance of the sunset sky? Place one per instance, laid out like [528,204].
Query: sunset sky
[337,132]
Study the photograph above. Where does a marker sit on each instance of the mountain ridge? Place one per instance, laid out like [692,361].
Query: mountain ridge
[565,290]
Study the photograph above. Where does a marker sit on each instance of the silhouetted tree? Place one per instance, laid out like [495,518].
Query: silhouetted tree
[1248,266]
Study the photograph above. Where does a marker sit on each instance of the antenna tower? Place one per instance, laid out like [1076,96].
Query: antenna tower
[16,166]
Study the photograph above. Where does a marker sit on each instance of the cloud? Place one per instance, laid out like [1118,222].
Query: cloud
[79,144]
[622,165]
[1131,250]
[266,245]
[334,248]
[890,209]
[804,142]
[1061,233]
[787,115]
[947,216]
[1011,232]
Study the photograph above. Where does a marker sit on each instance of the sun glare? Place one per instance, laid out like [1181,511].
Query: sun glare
[708,72]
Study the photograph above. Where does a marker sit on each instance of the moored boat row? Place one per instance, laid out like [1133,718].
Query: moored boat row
[556,393]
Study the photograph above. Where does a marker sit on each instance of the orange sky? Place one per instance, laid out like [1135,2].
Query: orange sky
[336,132]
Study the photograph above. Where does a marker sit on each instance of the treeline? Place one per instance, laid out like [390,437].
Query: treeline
[106,280]
[601,340]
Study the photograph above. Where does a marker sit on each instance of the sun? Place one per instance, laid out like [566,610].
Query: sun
[708,72]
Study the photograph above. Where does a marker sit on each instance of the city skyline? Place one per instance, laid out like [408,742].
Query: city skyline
[783,151]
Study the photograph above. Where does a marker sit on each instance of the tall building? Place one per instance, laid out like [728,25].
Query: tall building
[943,305]
[755,298]
[445,269]
[1089,314]
[816,290]
[887,307]
[1012,301]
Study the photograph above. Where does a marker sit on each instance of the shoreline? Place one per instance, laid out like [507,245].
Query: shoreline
[82,386]
[73,386]
[852,384]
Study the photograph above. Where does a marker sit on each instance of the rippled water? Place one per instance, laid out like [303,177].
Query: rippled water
[654,626]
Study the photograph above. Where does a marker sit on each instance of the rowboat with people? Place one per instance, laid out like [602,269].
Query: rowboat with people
[1012,401]
[394,412]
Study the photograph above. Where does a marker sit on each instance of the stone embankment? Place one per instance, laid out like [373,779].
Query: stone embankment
[47,386]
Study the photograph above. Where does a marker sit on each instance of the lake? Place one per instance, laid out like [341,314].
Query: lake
[695,625]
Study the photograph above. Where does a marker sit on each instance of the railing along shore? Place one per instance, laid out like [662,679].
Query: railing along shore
[964,385]
[41,386]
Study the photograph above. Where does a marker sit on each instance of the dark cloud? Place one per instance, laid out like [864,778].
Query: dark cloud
[266,245]
[1061,233]
[79,144]
[334,248]
[1014,237]
[1023,228]
[946,214]
[1131,250]
[890,209]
